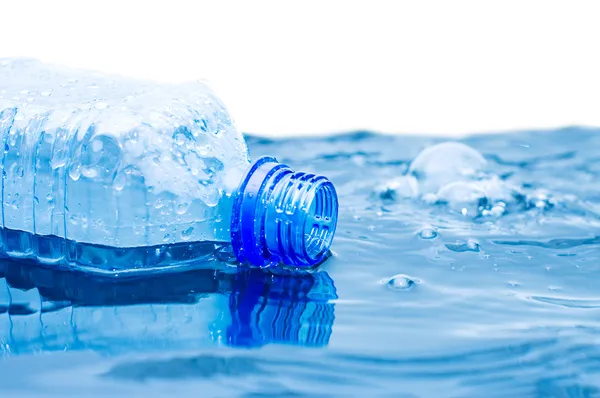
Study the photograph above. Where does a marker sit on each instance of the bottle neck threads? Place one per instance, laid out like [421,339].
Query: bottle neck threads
[283,217]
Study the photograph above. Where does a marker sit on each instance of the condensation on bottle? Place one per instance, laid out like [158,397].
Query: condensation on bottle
[110,174]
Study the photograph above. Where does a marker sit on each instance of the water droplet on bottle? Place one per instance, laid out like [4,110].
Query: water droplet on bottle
[58,162]
[187,234]
[400,282]
[162,227]
[150,189]
[20,172]
[159,203]
[46,93]
[182,208]
[73,219]
[167,237]
[36,200]
[180,139]
[120,181]
[89,172]
[101,105]
[97,145]
[75,171]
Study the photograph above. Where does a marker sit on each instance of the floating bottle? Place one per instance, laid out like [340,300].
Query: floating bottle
[110,174]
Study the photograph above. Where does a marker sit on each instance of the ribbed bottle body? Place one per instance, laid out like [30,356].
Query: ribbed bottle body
[111,173]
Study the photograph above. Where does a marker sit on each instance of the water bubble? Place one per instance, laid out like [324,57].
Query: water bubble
[496,211]
[466,198]
[20,172]
[428,233]
[398,188]
[400,282]
[459,247]
[187,234]
[541,200]
[444,163]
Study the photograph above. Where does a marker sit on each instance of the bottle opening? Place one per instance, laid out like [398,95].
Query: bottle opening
[283,216]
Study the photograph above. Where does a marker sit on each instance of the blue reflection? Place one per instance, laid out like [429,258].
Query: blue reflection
[45,309]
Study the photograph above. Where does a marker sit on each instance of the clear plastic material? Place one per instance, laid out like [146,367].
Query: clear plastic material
[116,175]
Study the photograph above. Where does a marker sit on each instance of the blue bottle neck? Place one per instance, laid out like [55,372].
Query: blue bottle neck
[283,216]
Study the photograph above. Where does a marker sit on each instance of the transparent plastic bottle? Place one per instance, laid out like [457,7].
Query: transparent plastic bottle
[111,174]
[44,310]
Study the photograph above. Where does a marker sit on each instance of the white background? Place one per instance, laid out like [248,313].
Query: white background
[315,67]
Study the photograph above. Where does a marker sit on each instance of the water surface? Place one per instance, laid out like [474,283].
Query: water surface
[461,271]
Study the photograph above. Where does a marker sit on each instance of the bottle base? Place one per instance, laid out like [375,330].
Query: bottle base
[56,252]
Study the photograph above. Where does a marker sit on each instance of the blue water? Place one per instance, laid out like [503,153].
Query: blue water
[443,284]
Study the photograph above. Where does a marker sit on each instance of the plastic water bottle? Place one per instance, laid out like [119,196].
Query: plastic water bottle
[44,310]
[112,174]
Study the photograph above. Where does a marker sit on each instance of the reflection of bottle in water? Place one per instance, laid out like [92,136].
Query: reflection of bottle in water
[47,310]
[261,309]
[109,174]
